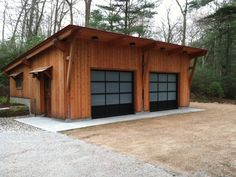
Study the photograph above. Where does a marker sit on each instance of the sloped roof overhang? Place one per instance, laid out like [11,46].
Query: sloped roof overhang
[107,37]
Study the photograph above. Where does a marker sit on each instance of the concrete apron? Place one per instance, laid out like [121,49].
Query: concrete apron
[56,125]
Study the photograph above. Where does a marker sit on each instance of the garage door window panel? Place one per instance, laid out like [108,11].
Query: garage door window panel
[162,96]
[112,87]
[153,97]
[126,98]
[171,86]
[125,87]
[172,78]
[112,99]
[98,76]
[98,100]
[98,87]
[171,95]
[126,76]
[153,87]
[162,78]
[112,76]
[162,86]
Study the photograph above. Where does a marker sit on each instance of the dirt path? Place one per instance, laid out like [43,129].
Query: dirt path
[193,143]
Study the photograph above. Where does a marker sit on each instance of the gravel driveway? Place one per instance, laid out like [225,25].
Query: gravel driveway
[26,152]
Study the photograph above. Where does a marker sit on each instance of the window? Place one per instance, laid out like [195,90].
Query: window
[19,81]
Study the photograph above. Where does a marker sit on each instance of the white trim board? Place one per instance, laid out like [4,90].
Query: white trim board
[55,125]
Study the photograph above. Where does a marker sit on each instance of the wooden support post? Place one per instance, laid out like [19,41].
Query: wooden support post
[145,69]
[71,59]
[192,71]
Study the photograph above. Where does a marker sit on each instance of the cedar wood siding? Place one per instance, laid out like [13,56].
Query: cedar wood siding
[31,86]
[99,55]
[162,62]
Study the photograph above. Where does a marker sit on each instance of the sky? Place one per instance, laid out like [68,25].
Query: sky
[79,12]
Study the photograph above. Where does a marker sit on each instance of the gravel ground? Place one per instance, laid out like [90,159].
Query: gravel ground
[27,151]
[9,124]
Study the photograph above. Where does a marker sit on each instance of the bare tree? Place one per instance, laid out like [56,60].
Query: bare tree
[59,13]
[169,31]
[184,12]
[87,11]
[4,22]
[70,4]
[23,9]
[56,9]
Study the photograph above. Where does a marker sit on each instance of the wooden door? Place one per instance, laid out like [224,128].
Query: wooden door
[47,95]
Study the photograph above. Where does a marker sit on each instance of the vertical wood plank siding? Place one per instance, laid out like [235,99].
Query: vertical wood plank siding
[98,55]
[31,86]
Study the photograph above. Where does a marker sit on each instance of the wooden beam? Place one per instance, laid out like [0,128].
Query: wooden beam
[5,73]
[192,71]
[26,63]
[149,46]
[197,54]
[59,44]
[72,56]
[51,43]
[114,41]
[175,50]
[43,47]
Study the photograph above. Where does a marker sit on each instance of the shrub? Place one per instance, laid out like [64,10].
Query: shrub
[14,111]
[215,89]
[3,100]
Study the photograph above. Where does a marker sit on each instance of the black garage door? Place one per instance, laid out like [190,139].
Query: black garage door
[112,93]
[163,91]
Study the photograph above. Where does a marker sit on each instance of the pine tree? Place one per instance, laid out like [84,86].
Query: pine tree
[125,16]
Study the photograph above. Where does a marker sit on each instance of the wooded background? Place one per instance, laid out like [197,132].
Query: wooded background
[209,24]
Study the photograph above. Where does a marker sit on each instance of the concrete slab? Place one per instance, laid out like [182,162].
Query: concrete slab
[55,125]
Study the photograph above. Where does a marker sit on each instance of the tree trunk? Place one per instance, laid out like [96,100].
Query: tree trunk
[87,11]
[126,16]
[55,17]
[4,23]
[70,4]
[30,25]
[19,17]
[184,13]
[184,28]
[39,19]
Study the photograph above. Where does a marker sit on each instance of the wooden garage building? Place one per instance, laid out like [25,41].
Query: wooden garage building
[86,73]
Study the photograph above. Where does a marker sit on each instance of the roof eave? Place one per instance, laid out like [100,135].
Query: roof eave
[60,35]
